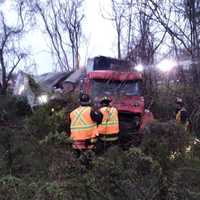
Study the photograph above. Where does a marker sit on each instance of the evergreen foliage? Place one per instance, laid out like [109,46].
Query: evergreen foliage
[36,161]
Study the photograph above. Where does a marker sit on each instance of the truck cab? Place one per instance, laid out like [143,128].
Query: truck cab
[116,79]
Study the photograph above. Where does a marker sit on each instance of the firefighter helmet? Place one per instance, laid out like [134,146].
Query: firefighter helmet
[106,99]
[84,99]
[179,101]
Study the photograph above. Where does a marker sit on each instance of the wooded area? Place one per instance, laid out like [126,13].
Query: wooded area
[36,159]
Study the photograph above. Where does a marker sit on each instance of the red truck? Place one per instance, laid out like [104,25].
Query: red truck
[116,79]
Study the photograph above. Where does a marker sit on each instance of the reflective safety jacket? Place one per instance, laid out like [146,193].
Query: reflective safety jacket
[182,118]
[110,122]
[82,126]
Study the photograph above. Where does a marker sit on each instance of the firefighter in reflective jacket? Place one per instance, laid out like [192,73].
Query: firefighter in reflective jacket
[83,125]
[182,115]
[109,128]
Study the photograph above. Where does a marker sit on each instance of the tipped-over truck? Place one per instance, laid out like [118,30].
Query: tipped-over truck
[118,80]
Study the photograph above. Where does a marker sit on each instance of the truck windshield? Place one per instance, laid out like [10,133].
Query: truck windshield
[108,87]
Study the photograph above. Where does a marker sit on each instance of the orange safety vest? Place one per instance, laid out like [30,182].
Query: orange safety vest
[187,125]
[110,121]
[178,115]
[82,127]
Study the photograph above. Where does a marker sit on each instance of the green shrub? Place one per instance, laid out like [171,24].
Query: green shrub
[123,175]
[161,139]
[10,187]
[43,166]
[22,106]
[42,122]
[164,106]
[51,118]
[12,108]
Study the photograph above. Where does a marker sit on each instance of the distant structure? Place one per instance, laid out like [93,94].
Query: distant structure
[105,63]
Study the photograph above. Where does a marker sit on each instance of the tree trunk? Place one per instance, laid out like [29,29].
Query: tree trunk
[119,44]
[3,87]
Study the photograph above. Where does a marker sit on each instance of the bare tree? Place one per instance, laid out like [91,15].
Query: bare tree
[146,39]
[131,22]
[71,19]
[62,22]
[142,46]
[181,21]
[118,16]
[135,30]
[10,52]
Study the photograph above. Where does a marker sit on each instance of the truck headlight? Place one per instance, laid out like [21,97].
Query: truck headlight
[21,89]
[43,99]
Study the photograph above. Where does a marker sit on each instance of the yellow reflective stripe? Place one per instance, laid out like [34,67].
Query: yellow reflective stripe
[178,117]
[110,112]
[111,119]
[109,123]
[79,116]
[83,127]
[110,115]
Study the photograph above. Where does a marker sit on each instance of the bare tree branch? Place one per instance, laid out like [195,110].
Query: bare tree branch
[61,17]
[8,50]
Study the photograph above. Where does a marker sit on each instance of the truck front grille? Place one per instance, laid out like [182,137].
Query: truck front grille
[128,121]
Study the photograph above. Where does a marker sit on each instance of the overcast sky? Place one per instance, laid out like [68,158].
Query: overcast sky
[99,35]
